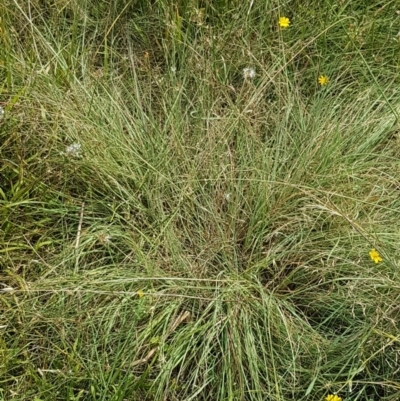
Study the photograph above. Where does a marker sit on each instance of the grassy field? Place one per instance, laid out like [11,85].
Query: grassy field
[199,200]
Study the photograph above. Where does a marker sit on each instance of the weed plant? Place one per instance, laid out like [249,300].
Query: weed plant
[187,213]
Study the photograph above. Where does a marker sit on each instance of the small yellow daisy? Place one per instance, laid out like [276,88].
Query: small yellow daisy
[140,294]
[284,22]
[374,255]
[333,397]
[323,80]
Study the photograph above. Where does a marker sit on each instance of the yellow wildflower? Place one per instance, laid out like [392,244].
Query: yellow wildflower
[323,80]
[284,22]
[374,255]
[140,293]
[332,397]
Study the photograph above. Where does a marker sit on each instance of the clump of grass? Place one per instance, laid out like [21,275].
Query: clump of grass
[174,227]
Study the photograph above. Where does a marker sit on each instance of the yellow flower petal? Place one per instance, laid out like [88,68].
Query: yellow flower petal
[374,255]
[140,293]
[323,80]
[333,397]
[284,22]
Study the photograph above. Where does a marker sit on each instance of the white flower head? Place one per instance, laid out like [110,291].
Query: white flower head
[105,238]
[73,150]
[2,112]
[249,73]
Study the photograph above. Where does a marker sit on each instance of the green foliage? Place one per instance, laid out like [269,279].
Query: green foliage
[173,230]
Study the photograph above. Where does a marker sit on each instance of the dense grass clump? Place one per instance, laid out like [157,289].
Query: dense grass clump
[186,212]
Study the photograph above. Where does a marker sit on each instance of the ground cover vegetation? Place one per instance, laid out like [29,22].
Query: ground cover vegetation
[199,200]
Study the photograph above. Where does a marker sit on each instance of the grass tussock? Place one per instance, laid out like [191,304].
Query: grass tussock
[186,211]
